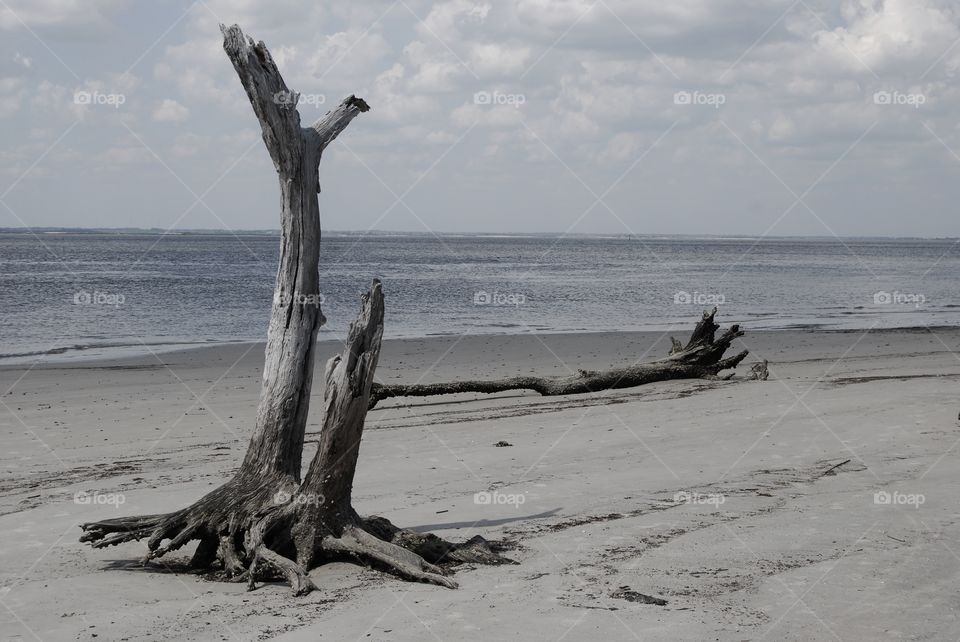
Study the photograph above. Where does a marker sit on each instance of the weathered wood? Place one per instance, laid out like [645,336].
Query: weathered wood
[349,378]
[277,441]
[701,358]
[759,371]
[405,563]
[264,518]
[273,458]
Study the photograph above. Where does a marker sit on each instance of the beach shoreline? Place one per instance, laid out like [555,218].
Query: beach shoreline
[93,353]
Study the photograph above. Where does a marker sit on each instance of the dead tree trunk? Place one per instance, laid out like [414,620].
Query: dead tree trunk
[264,514]
[700,358]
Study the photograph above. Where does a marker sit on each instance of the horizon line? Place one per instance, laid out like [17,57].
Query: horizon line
[276,231]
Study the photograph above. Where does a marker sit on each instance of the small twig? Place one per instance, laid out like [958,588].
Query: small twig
[833,468]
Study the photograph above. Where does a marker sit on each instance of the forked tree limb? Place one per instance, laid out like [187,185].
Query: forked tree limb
[701,358]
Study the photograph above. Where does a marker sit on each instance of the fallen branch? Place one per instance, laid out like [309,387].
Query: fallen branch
[701,358]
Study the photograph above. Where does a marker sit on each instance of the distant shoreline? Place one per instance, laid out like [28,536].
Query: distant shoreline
[135,231]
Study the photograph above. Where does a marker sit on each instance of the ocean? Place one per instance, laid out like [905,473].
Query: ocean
[75,294]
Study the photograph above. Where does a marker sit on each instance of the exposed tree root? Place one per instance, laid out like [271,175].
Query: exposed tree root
[227,551]
[432,548]
[296,575]
[700,358]
[403,562]
[211,519]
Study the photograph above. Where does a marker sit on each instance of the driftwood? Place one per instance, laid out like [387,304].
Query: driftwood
[700,358]
[759,371]
[264,517]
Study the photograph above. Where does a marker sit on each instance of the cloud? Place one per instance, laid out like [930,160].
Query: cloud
[81,17]
[881,35]
[12,93]
[598,83]
[494,59]
[170,111]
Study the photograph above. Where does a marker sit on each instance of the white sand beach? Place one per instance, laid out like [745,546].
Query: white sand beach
[748,506]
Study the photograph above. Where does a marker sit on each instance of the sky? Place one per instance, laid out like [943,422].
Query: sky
[730,117]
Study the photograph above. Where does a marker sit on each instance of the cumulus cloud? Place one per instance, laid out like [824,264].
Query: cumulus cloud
[490,58]
[170,111]
[880,34]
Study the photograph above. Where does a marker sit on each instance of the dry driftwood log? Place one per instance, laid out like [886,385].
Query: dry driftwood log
[700,358]
[264,518]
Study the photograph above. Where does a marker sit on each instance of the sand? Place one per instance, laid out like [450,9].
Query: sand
[748,506]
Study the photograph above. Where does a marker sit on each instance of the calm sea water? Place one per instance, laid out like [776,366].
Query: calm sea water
[76,293]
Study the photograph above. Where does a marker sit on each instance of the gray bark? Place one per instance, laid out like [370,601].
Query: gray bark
[277,441]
